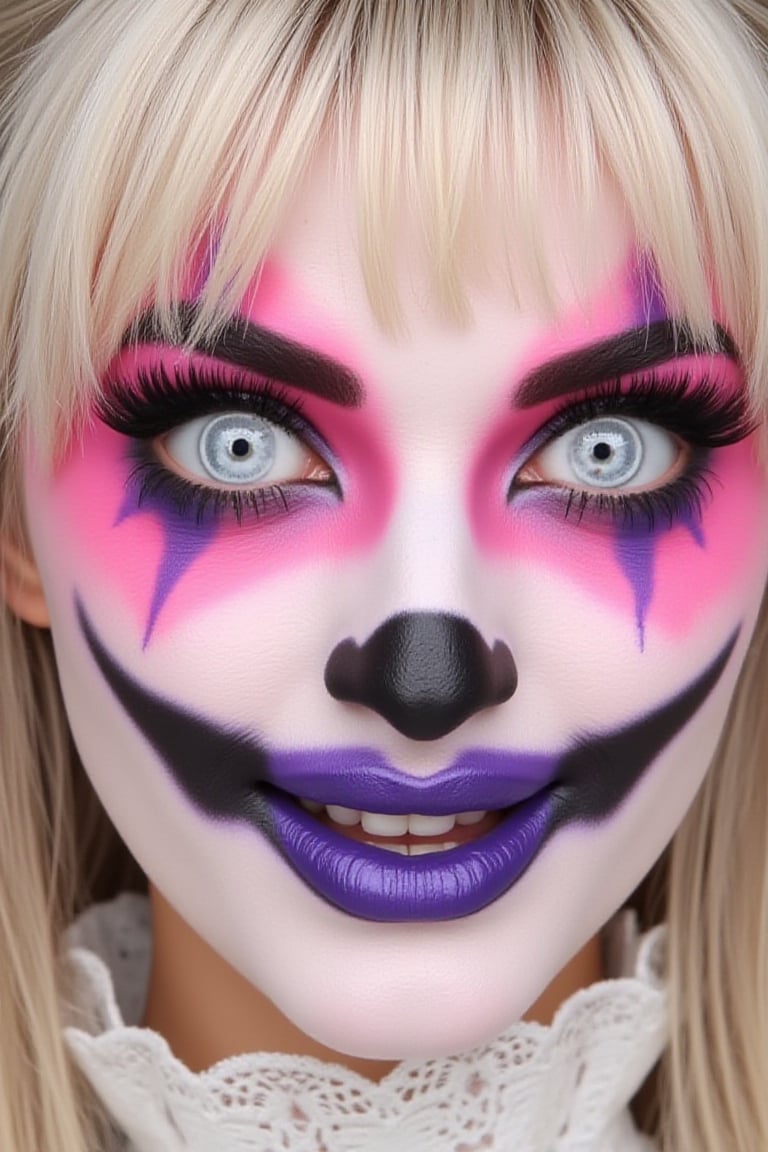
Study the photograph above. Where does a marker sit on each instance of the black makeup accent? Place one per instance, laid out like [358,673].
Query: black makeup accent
[258,350]
[636,350]
[424,672]
[597,774]
[223,771]
[218,770]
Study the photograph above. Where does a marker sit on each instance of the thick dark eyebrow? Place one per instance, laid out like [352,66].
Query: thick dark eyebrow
[635,350]
[259,350]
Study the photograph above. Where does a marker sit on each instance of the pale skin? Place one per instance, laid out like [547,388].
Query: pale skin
[235,1017]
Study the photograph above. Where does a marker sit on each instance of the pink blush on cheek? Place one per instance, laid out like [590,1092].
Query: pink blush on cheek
[691,576]
[83,499]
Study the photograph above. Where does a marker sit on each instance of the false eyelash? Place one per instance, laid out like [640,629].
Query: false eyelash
[695,409]
[156,399]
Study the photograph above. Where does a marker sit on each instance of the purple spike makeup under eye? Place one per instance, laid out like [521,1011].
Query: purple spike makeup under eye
[183,544]
[636,550]
[636,555]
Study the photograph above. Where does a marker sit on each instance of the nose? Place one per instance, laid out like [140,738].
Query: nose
[424,672]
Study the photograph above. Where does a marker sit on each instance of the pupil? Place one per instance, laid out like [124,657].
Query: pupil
[602,451]
[240,448]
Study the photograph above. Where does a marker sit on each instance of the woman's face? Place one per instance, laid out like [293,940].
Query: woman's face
[397,659]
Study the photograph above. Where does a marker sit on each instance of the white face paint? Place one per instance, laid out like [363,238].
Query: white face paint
[438,591]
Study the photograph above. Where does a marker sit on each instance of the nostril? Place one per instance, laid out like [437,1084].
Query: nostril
[424,672]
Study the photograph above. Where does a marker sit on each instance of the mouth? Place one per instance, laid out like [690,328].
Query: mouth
[404,867]
[412,834]
[384,845]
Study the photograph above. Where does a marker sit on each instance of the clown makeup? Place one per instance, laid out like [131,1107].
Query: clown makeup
[397,660]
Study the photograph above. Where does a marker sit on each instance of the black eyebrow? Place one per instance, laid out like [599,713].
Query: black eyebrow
[259,350]
[632,351]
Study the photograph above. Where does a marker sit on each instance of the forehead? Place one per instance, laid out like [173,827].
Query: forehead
[544,270]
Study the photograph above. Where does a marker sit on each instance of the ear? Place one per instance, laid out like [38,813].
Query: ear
[20,585]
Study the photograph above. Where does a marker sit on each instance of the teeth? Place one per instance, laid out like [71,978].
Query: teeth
[312,806]
[345,816]
[385,824]
[411,849]
[428,849]
[398,849]
[379,824]
[430,825]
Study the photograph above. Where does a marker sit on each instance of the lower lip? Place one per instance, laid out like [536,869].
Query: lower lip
[374,884]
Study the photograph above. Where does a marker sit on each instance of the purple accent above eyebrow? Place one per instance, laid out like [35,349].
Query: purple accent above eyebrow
[650,306]
[208,251]
[182,545]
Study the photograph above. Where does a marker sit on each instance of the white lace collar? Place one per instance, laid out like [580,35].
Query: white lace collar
[559,1089]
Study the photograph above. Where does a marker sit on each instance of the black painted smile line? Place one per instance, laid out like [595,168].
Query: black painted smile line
[219,768]
[227,774]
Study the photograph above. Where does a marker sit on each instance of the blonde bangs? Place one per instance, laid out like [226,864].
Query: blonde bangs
[189,124]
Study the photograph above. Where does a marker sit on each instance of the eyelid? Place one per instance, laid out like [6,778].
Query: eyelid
[155,398]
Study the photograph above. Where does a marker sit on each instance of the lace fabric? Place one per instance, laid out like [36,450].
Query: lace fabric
[563,1088]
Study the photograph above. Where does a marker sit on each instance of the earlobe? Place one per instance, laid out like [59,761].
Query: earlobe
[21,586]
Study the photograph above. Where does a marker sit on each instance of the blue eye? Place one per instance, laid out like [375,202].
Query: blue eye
[607,454]
[239,449]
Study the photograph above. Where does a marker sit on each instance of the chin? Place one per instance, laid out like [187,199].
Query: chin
[417,991]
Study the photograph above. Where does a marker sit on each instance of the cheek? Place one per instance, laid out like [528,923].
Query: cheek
[665,577]
[166,565]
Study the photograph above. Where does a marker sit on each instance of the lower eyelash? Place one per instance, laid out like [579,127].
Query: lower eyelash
[197,501]
[683,499]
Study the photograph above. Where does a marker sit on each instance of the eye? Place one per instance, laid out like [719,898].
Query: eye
[240,449]
[605,454]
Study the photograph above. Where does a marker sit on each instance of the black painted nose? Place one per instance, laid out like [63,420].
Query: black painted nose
[424,672]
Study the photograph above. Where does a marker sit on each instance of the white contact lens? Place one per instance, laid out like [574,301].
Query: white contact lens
[238,448]
[608,452]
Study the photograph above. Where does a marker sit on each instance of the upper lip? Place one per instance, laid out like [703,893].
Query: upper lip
[477,779]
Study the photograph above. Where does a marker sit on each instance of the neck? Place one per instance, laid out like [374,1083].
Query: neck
[233,1017]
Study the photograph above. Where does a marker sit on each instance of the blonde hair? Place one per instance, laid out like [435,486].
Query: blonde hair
[133,133]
